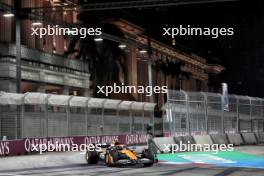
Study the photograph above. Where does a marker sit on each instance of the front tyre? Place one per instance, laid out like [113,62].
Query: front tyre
[92,157]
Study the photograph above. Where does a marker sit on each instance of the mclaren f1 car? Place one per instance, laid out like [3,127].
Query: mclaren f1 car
[120,155]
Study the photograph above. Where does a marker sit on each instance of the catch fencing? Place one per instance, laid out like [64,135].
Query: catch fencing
[193,113]
[40,115]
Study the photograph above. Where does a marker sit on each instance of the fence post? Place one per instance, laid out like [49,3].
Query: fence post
[187,113]
[86,115]
[261,114]
[102,118]
[153,118]
[1,112]
[222,114]
[168,114]
[130,119]
[118,117]
[18,108]
[102,122]
[47,114]
[68,114]
[250,114]
[22,116]
[237,114]
[174,119]
[169,117]
[22,120]
[205,112]
[143,116]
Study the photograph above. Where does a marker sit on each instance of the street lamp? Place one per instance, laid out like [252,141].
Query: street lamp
[36,23]
[143,51]
[8,15]
[99,39]
[122,46]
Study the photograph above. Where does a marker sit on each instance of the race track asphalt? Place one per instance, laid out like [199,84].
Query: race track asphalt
[73,163]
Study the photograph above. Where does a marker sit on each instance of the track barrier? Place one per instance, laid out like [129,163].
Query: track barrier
[249,138]
[260,137]
[160,143]
[203,139]
[219,138]
[235,139]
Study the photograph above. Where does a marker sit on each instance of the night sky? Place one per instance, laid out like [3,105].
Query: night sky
[241,54]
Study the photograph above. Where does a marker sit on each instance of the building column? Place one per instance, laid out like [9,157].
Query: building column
[42,88]
[205,86]
[132,68]
[85,92]
[8,86]
[66,90]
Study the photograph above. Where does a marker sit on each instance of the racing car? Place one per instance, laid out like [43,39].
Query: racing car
[120,155]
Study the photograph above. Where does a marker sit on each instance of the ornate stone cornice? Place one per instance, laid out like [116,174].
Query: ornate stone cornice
[136,33]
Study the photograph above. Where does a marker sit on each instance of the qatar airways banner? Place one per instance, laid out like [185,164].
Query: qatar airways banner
[32,145]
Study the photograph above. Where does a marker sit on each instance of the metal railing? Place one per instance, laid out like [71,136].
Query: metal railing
[192,113]
[39,115]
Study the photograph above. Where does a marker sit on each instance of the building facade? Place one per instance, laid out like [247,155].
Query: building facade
[171,67]
[46,68]
[43,66]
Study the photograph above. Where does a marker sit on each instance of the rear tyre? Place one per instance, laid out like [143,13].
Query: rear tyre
[92,157]
[149,154]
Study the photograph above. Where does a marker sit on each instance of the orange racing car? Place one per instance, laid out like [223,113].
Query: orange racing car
[120,155]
